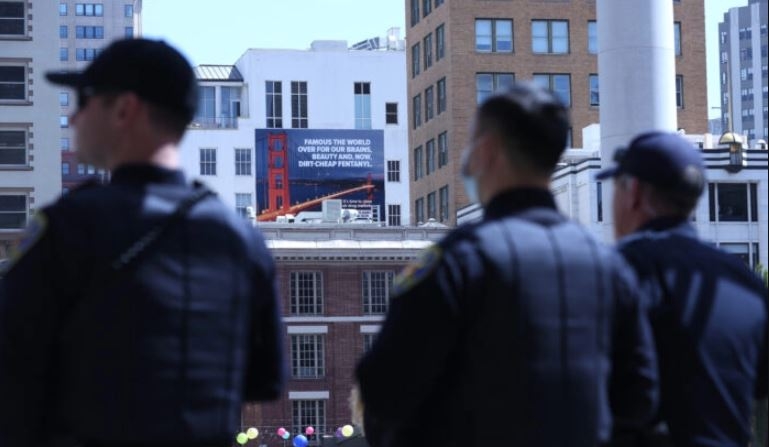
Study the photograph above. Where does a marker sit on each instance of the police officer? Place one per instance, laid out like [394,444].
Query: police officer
[508,331]
[142,312]
[708,310]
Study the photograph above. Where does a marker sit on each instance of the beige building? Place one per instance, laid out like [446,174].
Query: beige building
[459,52]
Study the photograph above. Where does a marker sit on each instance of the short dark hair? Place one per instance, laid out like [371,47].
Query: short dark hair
[168,120]
[532,122]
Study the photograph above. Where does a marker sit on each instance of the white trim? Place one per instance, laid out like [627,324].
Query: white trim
[370,328]
[307,329]
[360,319]
[307,395]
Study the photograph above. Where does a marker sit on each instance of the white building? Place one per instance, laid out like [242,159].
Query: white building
[306,95]
[30,173]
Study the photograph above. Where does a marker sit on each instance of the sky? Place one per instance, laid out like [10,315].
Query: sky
[220,31]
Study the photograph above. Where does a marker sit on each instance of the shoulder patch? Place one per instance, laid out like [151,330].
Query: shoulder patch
[416,271]
[33,233]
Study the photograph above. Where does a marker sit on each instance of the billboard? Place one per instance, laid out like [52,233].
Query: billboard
[296,169]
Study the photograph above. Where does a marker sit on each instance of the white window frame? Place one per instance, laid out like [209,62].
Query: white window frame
[306,292]
[24,212]
[207,160]
[376,286]
[308,356]
[243,162]
[16,128]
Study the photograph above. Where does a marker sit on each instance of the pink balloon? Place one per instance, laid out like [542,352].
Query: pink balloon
[309,430]
[281,431]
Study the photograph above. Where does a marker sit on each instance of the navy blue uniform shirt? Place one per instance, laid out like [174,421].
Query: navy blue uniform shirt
[709,317]
[163,353]
[521,329]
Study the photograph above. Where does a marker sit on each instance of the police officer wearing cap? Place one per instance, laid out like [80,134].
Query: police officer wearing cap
[521,329]
[707,309]
[142,312]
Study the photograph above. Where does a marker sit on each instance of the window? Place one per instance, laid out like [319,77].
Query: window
[12,19]
[62,9]
[429,100]
[306,292]
[307,352]
[274,99]
[419,210]
[443,149]
[418,163]
[208,161]
[394,215]
[550,36]
[416,109]
[443,196]
[414,12]
[13,147]
[427,43]
[440,43]
[91,169]
[242,161]
[416,54]
[747,252]
[441,95]
[89,9]
[393,170]
[63,54]
[493,36]
[299,104]
[677,34]
[242,202]
[560,84]
[128,10]
[391,113]
[431,205]
[376,292]
[430,156]
[679,91]
[733,202]
[13,82]
[85,54]
[368,341]
[309,413]
[229,107]
[89,32]
[81,169]
[486,84]
[128,32]
[65,168]
[427,7]
[363,105]
[593,89]
[205,113]
[13,211]
[63,31]
[64,144]
[592,37]
[63,121]
[63,99]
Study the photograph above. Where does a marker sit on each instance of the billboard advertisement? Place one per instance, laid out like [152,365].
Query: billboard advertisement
[296,169]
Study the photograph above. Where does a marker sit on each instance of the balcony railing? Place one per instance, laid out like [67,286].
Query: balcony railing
[214,122]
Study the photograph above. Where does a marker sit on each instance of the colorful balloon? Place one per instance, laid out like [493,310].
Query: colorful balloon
[252,433]
[241,438]
[286,435]
[338,432]
[300,441]
[347,431]
[281,431]
[309,430]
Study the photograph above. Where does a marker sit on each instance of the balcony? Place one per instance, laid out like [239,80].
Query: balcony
[214,122]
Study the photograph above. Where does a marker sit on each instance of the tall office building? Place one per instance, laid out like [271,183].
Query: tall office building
[83,30]
[743,50]
[460,52]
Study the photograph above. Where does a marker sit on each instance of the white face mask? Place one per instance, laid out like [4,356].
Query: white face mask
[470,182]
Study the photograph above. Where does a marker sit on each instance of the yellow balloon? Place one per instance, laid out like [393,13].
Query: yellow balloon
[347,431]
[252,433]
[242,438]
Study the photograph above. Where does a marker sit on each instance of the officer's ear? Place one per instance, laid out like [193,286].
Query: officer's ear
[127,108]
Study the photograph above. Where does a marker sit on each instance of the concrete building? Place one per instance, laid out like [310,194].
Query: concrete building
[334,283]
[460,52]
[743,60]
[30,174]
[83,30]
[301,104]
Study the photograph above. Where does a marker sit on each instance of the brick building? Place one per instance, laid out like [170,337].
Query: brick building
[459,52]
[334,283]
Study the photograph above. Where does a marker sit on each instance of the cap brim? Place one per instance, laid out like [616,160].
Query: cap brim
[69,78]
[607,173]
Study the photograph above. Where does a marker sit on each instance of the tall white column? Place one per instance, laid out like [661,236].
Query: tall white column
[636,69]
